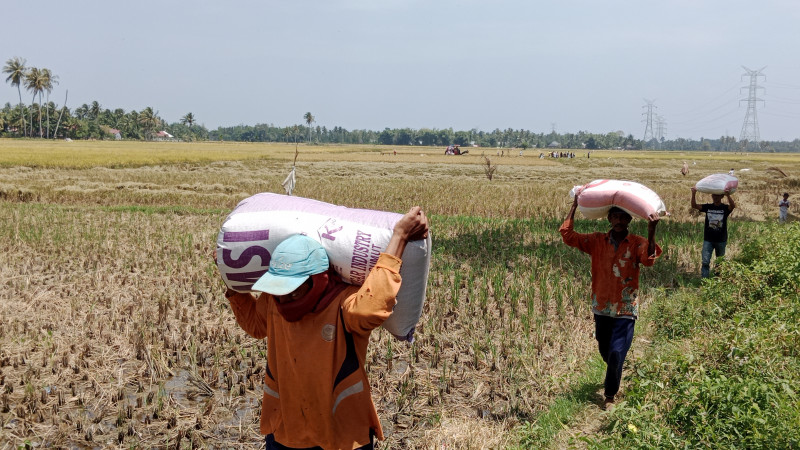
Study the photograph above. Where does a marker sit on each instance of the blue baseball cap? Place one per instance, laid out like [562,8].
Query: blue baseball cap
[292,262]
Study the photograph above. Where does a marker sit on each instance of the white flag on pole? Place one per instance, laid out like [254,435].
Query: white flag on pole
[288,183]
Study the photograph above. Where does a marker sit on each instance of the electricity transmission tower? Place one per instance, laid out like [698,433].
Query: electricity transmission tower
[661,129]
[648,128]
[750,126]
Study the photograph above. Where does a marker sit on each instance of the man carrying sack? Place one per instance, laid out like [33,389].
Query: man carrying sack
[616,256]
[316,392]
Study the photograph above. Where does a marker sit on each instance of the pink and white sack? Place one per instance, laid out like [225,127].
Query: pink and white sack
[353,239]
[597,197]
[717,184]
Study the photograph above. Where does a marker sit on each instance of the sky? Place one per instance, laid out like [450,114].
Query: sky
[568,65]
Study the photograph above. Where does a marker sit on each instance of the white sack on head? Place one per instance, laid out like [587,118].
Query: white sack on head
[717,184]
[353,239]
[597,197]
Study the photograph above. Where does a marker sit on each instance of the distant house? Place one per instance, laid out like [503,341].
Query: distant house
[554,144]
[164,136]
[112,131]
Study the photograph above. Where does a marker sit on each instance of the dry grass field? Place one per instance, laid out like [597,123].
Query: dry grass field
[114,331]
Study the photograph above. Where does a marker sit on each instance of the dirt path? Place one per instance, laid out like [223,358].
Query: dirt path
[592,419]
[588,424]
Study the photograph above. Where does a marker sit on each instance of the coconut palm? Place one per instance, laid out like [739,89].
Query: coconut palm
[34,83]
[149,121]
[130,125]
[309,120]
[48,80]
[15,68]
[94,110]
[15,118]
[188,119]
[115,117]
[82,111]
[296,129]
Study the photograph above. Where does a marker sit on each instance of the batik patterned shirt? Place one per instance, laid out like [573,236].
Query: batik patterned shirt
[615,271]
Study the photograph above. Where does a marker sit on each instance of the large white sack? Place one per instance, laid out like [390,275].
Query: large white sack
[597,197]
[717,183]
[353,239]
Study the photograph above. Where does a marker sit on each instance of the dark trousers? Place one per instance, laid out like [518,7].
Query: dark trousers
[272,445]
[718,248]
[614,336]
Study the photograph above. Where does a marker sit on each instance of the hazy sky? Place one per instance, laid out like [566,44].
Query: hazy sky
[570,65]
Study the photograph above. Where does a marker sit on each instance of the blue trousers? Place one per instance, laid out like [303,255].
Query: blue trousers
[614,337]
[708,248]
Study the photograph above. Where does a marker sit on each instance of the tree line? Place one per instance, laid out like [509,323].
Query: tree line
[43,118]
[508,138]
[421,137]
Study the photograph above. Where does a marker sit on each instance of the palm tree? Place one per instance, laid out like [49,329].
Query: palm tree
[71,123]
[34,83]
[94,110]
[48,79]
[309,120]
[130,125]
[82,112]
[296,131]
[149,121]
[188,119]
[115,117]
[15,68]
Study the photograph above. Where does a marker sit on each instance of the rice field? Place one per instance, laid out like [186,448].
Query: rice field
[114,331]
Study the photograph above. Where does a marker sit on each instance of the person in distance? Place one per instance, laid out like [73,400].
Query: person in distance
[715,230]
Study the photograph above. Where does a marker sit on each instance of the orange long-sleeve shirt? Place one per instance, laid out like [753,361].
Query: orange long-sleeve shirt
[615,273]
[316,391]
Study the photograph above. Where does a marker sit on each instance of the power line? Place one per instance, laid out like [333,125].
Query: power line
[784,85]
[704,104]
[785,101]
[785,115]
[705,116]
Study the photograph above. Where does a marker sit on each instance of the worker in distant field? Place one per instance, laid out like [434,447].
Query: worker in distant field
[616,256]
[316,391]
[783,207]
[715,230]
